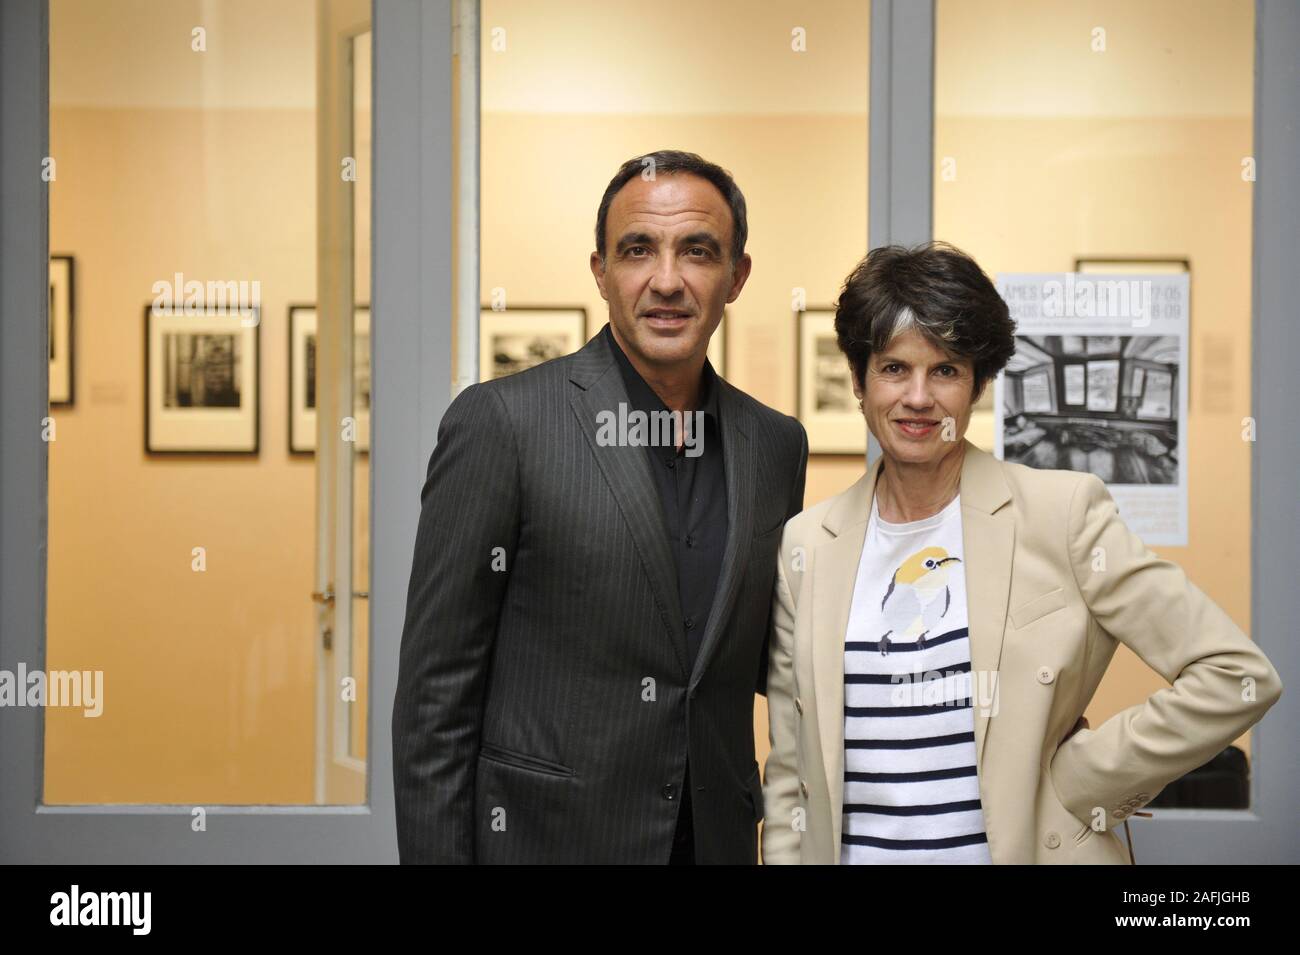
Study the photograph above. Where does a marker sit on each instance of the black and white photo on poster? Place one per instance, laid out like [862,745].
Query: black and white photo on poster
[1098,383]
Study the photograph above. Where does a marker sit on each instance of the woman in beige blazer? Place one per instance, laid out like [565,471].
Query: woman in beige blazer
[940,627]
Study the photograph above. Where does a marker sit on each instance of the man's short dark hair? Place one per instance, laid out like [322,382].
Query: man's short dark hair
[666,161]
[935,288]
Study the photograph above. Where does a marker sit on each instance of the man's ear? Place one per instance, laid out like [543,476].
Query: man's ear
[739,276]
[598,272]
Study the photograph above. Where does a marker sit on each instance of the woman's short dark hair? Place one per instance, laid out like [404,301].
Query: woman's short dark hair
[667,161]
[935,288]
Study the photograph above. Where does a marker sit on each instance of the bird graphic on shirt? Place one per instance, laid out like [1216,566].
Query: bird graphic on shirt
[918,597]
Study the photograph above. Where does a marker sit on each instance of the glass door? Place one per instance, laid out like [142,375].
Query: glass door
[191,524]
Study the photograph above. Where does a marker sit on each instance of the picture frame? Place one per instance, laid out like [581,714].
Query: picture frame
[62,319]
[1131,265]
[827,407]
[202,372]
[514,339]
[302,378]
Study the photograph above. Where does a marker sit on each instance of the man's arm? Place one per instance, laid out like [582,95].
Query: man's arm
[1221,683]
[793,507]
[468,507]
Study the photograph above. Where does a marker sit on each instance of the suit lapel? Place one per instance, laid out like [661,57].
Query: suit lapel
[740,465]
[627,471]
[988,539]
[835,572]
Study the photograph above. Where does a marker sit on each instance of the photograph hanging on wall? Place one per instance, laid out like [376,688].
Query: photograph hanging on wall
[302,378]
[62,312]
[201,382]
[1098,383]
[514,339]
[828,408]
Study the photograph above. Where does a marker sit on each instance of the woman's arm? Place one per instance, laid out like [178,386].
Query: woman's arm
[781,827]
[1221,683]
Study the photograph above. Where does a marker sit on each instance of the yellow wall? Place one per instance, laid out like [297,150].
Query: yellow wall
[209,676]
[1032,194]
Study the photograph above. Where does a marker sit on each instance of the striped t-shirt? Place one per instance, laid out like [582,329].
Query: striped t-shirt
[911,794]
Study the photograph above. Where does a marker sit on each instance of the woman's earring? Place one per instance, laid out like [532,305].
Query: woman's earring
[860,405]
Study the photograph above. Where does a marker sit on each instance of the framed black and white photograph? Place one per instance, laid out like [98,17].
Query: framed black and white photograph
[1131,265]
[62,313]
[828,407]
[1104,404]
[302,378]
[514,339]
[201,382]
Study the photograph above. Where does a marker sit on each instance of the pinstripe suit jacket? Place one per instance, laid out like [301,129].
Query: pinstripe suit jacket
[545,708]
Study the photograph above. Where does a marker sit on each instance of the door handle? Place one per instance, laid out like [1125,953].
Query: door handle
[328,596]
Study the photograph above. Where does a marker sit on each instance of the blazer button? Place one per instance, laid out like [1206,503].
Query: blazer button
[803,788]
[1052,840]
[1046,675]
[670,792]
[798,706]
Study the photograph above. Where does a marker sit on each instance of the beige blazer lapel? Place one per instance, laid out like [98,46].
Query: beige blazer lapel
[988,539]
[834,572]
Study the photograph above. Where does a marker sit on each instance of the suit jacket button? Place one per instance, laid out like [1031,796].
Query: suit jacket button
[1052,840]
[1046,675]
[798,706]
[670,792]
[803,788]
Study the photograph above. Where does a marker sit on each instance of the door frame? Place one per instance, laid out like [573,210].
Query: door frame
[340,777]
[412,344]
[901,175]
[411,210]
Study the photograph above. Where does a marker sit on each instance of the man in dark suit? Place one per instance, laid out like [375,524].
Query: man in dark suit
[589,603]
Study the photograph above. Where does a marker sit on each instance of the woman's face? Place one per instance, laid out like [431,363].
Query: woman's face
[917,399]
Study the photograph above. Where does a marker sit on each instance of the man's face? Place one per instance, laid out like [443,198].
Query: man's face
[668,272]
[911,388]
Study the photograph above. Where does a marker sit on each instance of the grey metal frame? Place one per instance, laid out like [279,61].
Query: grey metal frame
[900,187]
[412,345]
[901,210]
[412,252]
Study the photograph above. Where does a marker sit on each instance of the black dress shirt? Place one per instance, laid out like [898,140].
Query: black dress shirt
[693,495]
